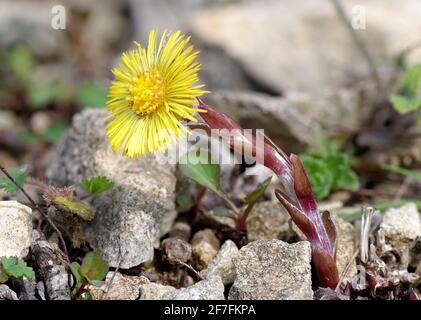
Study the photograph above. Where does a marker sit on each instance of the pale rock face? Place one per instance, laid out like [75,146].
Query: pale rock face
[293,120]
[401,231]
[132,216]
[269,220]
[303,45]
[273,269]
[402,224]
[154,291]
[223,263]
[211,288]
[118,287]
[205,246]
[15,229]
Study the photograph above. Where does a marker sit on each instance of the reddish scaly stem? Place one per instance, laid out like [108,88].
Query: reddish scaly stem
[298,199]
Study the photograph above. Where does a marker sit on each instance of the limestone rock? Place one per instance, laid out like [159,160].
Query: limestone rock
[15,229]
[402,225]
[205,246]
[154,291]
[121,288]
[269,220]
[223,264]
[303,45]
[132,216]
[210,288]
[401,230]
[292,121]
[273,269]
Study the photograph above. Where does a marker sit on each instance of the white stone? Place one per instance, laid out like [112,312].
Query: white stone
[15,229]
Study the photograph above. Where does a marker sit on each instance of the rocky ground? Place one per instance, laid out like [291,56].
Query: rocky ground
[288,68]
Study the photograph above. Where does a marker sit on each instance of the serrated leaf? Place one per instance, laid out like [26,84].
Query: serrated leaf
[97,185]
[416,175]
[16,268]
[184,201]
[323,147]
[320,176]
[404,104]
[20,177]
[79,208]
[92,95]
[343,176]
[93,267]
[199,167]
[252,197]
[412,80]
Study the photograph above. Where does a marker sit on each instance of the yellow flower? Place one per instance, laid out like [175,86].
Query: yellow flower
[155,89]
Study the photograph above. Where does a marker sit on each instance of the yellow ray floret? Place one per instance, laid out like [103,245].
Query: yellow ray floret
[155,88]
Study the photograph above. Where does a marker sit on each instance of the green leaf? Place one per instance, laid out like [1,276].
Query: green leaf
[321,177]
[75,268]
[223,212]
[79,208]
[404,104]
[198,166]
[416,175]
[343,176]
[51,134]
[3,275]
[54,132]
[20,177]
[16,268]
[412,81]
[42,94]
[184,201]
[252,197]
[97,185]
[92,95]
[21,62]
[93,267]
[322,146]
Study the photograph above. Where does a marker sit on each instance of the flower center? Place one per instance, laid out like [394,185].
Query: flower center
[147,93]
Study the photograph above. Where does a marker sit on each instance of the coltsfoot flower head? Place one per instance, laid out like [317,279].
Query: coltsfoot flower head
[155,89]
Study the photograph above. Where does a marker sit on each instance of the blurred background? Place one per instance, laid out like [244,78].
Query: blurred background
[294,68]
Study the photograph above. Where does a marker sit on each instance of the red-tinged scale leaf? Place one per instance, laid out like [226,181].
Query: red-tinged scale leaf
[302,186]
[217,120]
[274,158]
[330,230]
[302,222]
[305,212]
[325,267]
